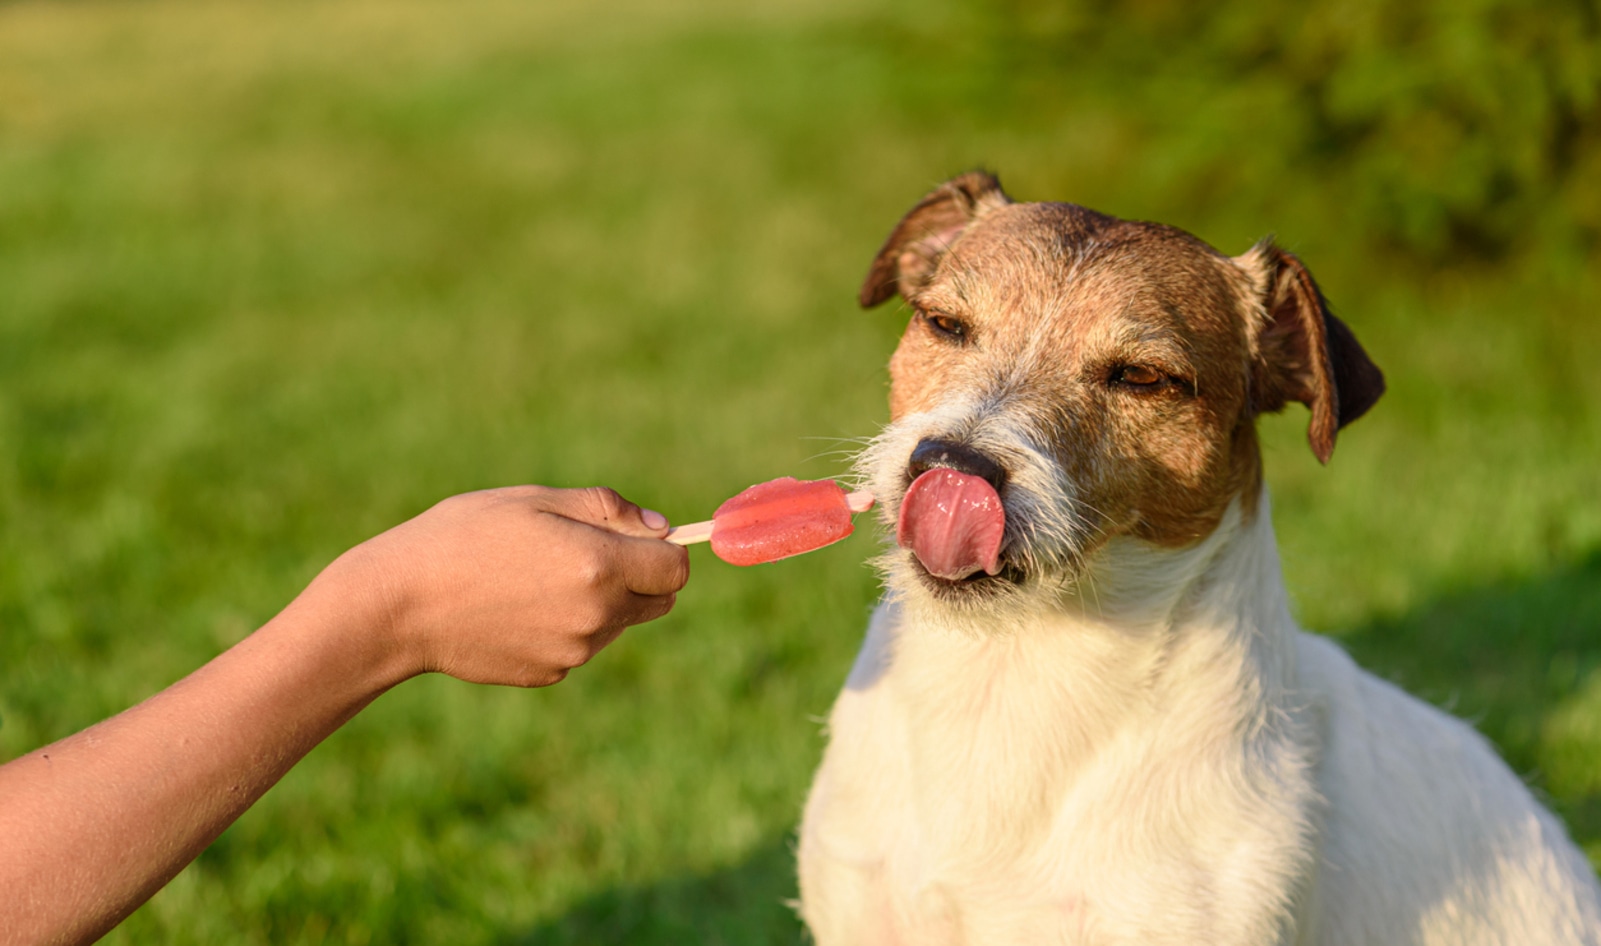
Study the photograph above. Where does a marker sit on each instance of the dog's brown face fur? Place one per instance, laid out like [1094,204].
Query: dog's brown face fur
[1131,355]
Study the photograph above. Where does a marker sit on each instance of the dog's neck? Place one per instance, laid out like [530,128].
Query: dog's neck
[1227,587]
[1191,637]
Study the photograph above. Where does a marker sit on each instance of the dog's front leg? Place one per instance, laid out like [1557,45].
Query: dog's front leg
[853,904]
[846,904]
[853,856]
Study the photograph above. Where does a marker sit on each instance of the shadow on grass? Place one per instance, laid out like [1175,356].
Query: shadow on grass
[742,904]
[1504,657]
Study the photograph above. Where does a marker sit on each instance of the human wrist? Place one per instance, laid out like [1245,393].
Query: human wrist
[357,608]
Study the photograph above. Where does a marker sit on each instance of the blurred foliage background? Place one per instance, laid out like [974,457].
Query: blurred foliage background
[1446,131]
[275,275]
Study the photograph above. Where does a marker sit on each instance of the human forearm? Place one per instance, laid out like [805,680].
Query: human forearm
[94,824]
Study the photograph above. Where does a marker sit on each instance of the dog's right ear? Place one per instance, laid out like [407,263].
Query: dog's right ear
[907,259]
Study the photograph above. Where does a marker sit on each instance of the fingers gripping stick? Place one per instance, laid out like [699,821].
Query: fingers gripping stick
[777,519]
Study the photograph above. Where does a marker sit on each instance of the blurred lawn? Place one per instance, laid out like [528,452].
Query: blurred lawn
[274,276]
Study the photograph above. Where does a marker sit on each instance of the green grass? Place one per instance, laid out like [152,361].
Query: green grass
[274,276]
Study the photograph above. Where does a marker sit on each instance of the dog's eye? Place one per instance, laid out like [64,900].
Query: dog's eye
[1137,376]
[947,326]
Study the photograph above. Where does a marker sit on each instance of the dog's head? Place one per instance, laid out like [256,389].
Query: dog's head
[1069,378]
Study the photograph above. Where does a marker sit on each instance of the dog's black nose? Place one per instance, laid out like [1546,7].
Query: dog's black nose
[932,454]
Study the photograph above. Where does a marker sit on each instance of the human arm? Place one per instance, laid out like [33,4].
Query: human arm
[513,586]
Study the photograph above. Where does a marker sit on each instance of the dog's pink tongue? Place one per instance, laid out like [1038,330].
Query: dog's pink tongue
[953,523]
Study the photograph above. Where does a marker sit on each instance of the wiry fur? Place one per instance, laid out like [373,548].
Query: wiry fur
[1124,738]
[1042,524]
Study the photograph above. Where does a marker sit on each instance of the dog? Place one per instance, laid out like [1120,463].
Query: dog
[1083,712]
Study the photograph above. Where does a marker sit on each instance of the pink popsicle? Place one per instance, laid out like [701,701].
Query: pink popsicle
[777,519]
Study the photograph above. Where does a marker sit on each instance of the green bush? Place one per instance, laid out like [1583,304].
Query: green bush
[1443,128]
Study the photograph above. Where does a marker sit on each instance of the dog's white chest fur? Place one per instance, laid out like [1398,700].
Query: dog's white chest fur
[1192,770]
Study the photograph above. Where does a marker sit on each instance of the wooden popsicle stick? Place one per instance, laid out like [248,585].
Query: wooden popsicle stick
[859,501]
[692,533]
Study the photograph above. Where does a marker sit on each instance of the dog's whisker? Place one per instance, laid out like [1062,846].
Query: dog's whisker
[829,455]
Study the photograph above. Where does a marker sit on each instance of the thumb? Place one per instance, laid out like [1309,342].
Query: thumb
[604,508]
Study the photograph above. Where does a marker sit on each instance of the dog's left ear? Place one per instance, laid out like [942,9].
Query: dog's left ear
[1302,352]
[907,259]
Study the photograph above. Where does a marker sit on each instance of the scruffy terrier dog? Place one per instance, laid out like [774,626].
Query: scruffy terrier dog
[1083,713]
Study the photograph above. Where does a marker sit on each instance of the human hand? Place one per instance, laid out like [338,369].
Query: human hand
[511,586]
